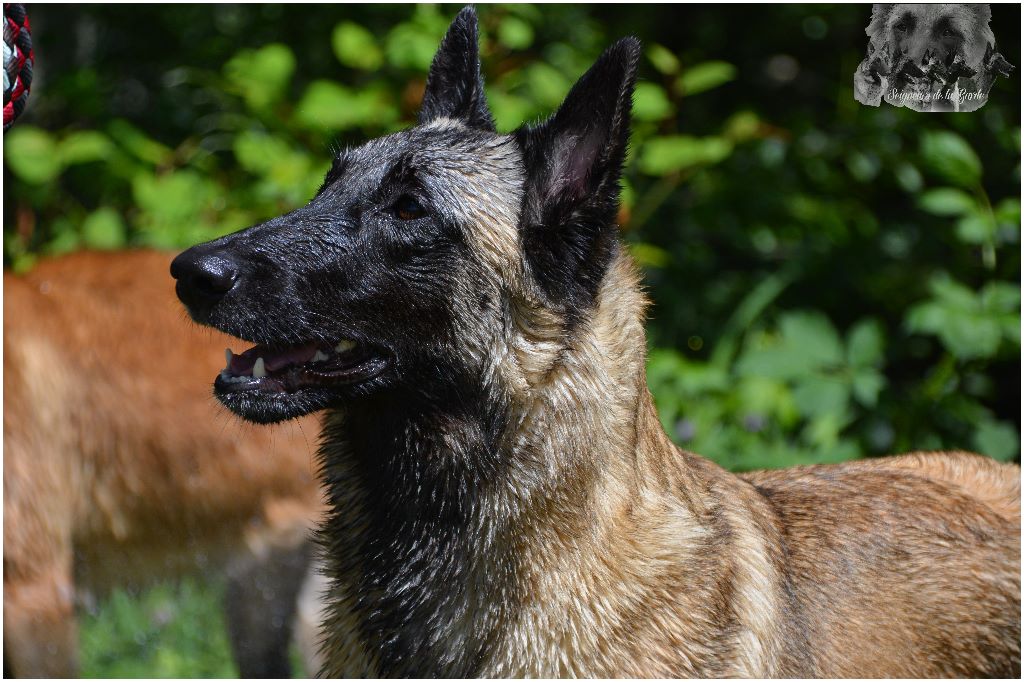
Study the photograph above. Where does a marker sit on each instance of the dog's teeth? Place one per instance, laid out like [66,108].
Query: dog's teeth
[259,370]
[345,345]
[228,356]
[320,356]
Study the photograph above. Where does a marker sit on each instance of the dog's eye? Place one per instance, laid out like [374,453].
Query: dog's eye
[948,33]
[408,208]
[901,27]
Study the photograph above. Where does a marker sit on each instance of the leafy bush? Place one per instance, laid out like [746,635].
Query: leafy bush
[830,280]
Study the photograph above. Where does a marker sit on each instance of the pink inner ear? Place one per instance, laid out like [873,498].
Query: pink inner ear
[574,162]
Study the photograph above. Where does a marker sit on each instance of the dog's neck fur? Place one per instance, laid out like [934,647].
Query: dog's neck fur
[454,528]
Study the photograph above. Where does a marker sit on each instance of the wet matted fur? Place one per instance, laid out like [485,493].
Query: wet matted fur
[504,500]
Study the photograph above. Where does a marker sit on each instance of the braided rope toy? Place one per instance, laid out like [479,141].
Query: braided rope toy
[18,61]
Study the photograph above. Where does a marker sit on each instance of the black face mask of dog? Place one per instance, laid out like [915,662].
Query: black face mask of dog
[400,274]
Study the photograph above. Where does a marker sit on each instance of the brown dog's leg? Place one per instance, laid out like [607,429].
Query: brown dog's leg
[40,632]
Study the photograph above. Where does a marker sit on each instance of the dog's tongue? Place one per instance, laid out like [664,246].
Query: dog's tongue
[273,359]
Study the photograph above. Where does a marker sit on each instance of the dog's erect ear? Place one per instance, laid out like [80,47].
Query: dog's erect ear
[573,163]
[455,88]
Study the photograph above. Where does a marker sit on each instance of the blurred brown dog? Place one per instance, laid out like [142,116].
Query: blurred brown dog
[118,469]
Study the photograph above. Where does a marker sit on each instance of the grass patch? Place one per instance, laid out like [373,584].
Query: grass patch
[170,630]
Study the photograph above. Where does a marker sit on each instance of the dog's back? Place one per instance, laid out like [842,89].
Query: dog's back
[873,548]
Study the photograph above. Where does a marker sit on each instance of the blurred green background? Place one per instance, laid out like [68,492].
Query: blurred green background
[830,281]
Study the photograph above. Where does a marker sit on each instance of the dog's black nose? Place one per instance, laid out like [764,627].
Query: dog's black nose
[203,277]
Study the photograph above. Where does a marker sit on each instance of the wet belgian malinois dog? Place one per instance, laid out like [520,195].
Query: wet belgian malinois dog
[504,500]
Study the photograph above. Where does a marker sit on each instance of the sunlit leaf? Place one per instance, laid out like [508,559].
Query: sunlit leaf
[31,154]
[515,33]
[84,146]
[865,345]
[996,439]
[262,75]
[662,59]
[666,154]
[950,157]
[650,103]
[705,76]
[947,201]
[104,229]
[356,47]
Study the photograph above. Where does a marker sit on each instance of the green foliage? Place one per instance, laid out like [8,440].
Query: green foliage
[168,631]
[970,324]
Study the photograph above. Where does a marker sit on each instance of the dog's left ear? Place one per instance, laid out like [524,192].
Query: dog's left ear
[455,87]
[573,164]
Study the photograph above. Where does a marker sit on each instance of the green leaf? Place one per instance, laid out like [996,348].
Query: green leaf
[650,103]
[865,344]
[31,154]
[514,33]
[951,157]
[356,47]
[805,344]
[998,440]
[814,334]
[172,199]
[666,154]
[85,146]
[706,76]
[258,152]
[104,229]
[975,229]
[408,46]
[947,201]
[953,293]
[927,317]
[138,144]
[971,336]
[261,76]
[742,126]
[909,177]
[547,84]
[817,396]
[1000,297]
[663,59]
[1008,212]
[866,385]
[509,110]
[326,104]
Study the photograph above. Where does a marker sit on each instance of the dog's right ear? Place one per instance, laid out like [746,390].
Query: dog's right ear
[573,162]
[455,87]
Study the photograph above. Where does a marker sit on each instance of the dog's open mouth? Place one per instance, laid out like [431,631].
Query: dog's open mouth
[294,368]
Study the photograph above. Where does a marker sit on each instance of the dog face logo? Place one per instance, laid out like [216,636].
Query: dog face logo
[929,57]
[406,272]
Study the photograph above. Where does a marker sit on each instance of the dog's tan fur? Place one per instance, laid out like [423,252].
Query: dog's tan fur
[638,559]
[118,468]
